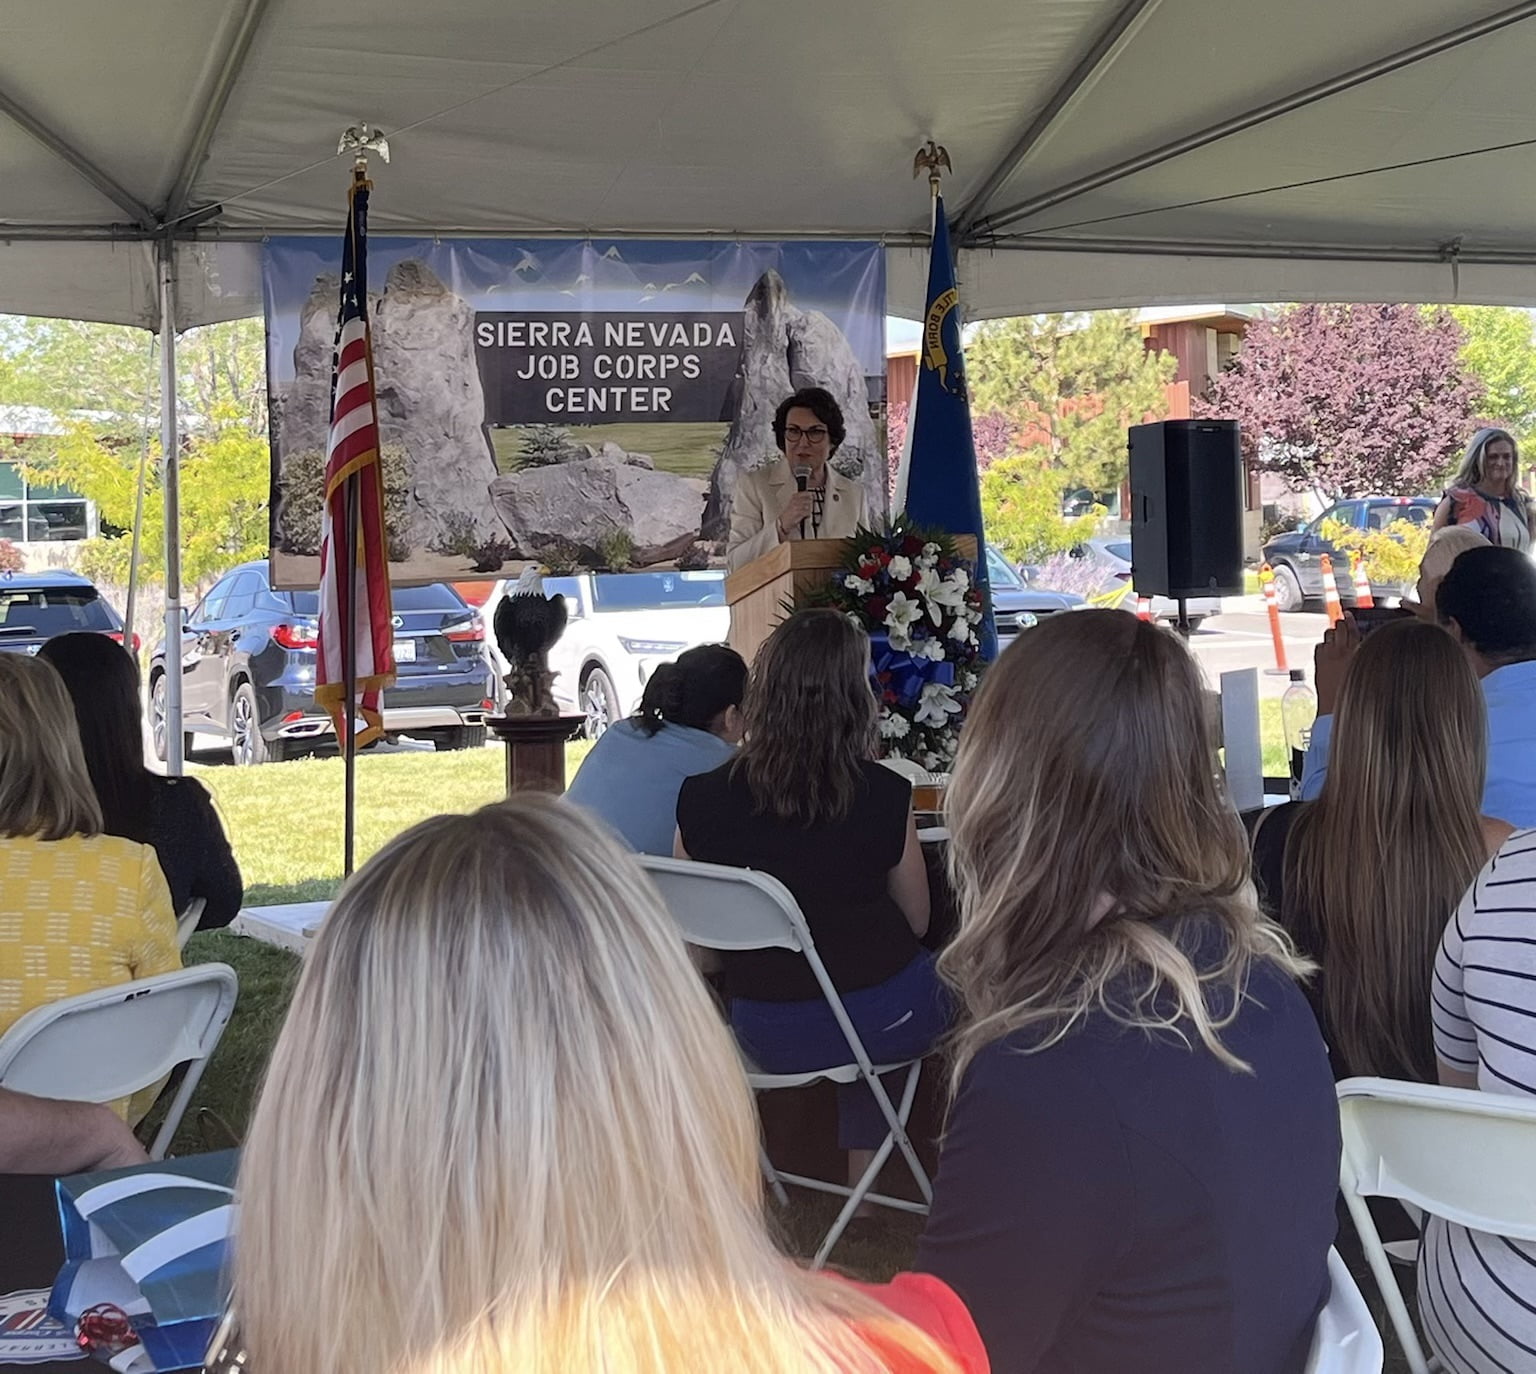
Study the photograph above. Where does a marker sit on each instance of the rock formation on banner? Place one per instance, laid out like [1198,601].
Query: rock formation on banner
[573,511]
[430,401]
[785,348]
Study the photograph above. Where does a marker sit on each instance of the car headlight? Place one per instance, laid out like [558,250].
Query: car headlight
[652,646]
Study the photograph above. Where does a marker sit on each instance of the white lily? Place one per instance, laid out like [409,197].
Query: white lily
[862,585]
[900,614]
[936,705]
[900,568]
[931,648]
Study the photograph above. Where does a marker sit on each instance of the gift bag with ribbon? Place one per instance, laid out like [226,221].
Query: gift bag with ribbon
[144,1259]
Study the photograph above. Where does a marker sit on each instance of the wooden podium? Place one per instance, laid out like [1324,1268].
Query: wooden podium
[769,588]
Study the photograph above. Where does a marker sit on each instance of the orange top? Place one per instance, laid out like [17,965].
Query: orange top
[934,1308]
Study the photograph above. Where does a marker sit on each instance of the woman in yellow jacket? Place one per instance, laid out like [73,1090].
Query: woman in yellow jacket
[78,909]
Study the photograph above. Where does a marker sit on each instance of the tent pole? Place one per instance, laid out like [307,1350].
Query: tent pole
[175,763]
[138,509]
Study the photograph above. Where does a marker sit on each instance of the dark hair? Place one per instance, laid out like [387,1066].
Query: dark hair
[819,402]
[703,682]
[103,684]
[1491,594]
[810,718]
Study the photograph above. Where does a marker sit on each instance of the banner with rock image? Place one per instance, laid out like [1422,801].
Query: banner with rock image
[582,404]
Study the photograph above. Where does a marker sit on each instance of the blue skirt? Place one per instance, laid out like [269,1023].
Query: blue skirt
[900,1019]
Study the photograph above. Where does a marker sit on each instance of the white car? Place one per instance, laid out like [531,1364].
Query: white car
[621,627]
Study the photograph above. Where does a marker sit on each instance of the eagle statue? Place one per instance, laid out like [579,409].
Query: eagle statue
[527,624]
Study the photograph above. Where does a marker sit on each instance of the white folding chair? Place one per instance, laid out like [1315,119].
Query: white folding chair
[113,1042]
[1454,1153]
[738,909]
[1345,1340]
[186,923]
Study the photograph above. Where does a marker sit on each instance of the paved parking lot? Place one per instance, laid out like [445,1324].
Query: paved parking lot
[1239,638]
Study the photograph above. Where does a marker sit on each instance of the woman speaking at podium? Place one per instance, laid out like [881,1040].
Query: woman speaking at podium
[798,495]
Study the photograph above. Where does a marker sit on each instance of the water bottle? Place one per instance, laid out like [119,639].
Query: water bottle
[1298,712]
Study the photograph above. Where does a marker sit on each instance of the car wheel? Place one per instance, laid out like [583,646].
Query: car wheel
[599,701]
[246,740]
[460,737]
[159,711]
[1288,589]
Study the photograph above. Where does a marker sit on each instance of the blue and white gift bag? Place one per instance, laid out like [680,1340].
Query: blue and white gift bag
[152,1240]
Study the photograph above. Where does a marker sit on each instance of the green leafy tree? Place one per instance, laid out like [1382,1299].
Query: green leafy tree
[1021,510]
[1499,349]
[1070,384]
[224,469]
[102,383]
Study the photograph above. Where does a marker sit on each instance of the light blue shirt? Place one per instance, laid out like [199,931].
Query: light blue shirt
[631,779]
[1509,794]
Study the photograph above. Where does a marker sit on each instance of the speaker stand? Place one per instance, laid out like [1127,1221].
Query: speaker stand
[1182,624]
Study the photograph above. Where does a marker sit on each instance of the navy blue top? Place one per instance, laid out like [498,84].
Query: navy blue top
[631,779]
[1122,1202]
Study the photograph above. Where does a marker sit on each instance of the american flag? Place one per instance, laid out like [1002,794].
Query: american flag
[354,577]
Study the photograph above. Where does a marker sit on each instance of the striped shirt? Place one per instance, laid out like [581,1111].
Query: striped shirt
[1477,1292]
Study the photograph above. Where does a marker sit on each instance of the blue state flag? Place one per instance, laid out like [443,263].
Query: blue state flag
[939,486]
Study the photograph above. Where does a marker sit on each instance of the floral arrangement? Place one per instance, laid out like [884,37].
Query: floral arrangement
[914,596]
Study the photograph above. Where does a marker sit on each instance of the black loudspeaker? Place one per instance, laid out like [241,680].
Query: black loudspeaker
[1186,508]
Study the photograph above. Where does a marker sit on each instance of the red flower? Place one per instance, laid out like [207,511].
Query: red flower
[876,606]
[888,697]
[911,546]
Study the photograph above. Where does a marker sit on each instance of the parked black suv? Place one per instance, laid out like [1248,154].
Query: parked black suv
[1297,557]
[248,670]
[36,606]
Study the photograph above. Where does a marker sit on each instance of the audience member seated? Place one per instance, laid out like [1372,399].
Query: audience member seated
[1142,1154]
[1365,877]
[39,1135]
[1488,601]
[1445,547]
[173,815]
[689,722]
[1477,1292]
[79,909]
[554,1169]
[805,801]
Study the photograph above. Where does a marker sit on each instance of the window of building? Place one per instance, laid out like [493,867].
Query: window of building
[31,513]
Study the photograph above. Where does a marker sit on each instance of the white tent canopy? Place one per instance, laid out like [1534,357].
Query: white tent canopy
[1105,151]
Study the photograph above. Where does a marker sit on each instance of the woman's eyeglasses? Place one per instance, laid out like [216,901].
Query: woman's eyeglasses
[793,434]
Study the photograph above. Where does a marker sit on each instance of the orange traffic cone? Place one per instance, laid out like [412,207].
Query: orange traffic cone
[1331,592]
[1143,608]
[1272,605]
[1363,599]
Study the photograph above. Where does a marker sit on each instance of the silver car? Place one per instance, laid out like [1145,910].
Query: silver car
[1114,557]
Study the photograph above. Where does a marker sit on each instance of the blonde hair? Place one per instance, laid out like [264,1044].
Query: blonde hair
[504,1128]
[1383,856]
[1085,807]
[45,790]
[1470,473]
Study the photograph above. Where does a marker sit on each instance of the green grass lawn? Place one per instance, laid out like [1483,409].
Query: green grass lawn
[686,449]
[285,819]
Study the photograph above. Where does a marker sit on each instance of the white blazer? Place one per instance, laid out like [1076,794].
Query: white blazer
[760,497]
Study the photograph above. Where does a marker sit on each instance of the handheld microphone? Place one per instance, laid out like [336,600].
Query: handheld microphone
[802,483]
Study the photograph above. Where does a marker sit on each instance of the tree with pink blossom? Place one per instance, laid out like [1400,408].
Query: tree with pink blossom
[1351,400]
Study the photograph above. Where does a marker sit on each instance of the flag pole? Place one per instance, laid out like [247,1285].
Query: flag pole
[349,636]
[349,680]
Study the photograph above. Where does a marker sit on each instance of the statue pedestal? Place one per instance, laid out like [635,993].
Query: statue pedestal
[535,749]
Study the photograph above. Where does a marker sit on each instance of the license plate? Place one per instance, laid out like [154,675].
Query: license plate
[405,651]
